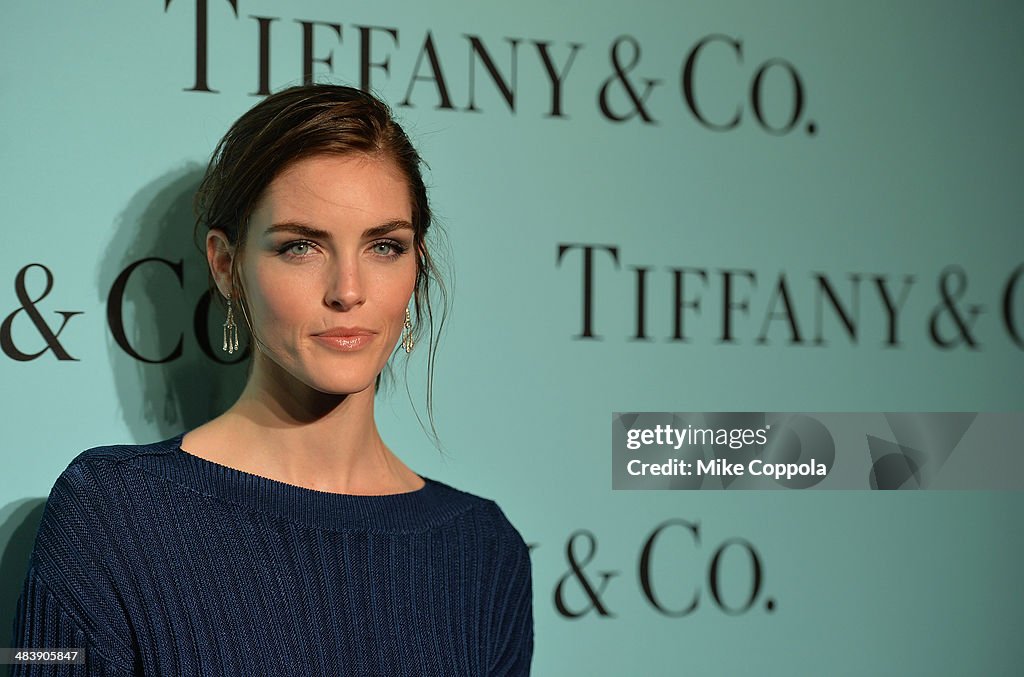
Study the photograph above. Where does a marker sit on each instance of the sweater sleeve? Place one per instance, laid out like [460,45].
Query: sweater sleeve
[514,609]
[43,623]
[70,597]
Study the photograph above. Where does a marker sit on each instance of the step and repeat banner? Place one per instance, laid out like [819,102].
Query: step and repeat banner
[649,207]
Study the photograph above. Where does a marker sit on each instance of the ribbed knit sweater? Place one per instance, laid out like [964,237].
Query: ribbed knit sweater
[159,562]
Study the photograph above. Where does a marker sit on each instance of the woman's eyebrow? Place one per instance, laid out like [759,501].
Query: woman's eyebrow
[298,229]
[311,232]
[385,228]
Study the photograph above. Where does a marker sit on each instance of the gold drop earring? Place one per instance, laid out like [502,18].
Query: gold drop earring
[230,330]
[407,341]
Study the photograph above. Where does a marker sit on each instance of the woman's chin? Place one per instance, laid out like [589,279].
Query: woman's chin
[342,386]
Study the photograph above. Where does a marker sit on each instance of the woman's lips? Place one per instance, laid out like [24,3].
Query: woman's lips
[345,342]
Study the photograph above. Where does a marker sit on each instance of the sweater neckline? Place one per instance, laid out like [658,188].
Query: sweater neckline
[430,505]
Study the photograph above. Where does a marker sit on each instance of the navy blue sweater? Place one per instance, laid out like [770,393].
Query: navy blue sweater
[159,562]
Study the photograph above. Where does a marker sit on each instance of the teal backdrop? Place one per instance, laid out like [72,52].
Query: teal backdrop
[787,206]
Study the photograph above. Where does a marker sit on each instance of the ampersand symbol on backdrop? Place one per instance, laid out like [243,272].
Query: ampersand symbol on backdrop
[28,305]
[577,565]
[952,285]
[622,77]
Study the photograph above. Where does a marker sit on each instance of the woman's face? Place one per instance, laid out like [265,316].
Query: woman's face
[328,269]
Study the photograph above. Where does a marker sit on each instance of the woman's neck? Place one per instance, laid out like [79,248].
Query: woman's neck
[284,430]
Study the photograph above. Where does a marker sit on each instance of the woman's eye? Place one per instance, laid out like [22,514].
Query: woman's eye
[387,248]
[297,249]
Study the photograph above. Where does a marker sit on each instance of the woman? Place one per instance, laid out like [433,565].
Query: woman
[284,537]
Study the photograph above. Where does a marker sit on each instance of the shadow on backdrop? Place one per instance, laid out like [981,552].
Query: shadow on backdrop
[19,522]
[164,339]
[160,316]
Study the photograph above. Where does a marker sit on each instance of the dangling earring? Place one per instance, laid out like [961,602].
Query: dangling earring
[230,330]
[407,341]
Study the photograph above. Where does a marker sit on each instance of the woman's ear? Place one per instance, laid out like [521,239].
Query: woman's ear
[220,254]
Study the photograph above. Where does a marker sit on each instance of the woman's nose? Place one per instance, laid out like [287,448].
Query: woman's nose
[346,290]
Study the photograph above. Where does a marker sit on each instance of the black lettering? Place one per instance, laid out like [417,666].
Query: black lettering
[307,49]
[1009,294]
[436,76]
[556,78]
[647,554]
[264,54]
[756,96]
[588,281]
[893,309]
[787,314]
[202,83]
[641,303]
[506,88]
[681,304]
[689,93]
[366,54]
[115,316]
[727,303]
[715,584]
[849,318]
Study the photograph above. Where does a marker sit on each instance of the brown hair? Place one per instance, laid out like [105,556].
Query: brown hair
[300,122]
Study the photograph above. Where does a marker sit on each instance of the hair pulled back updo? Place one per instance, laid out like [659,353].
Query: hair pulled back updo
[298,123]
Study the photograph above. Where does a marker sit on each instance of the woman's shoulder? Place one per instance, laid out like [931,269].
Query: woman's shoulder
[79,538]
[488,511]
[85,487]
[122,452]
[84,513]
